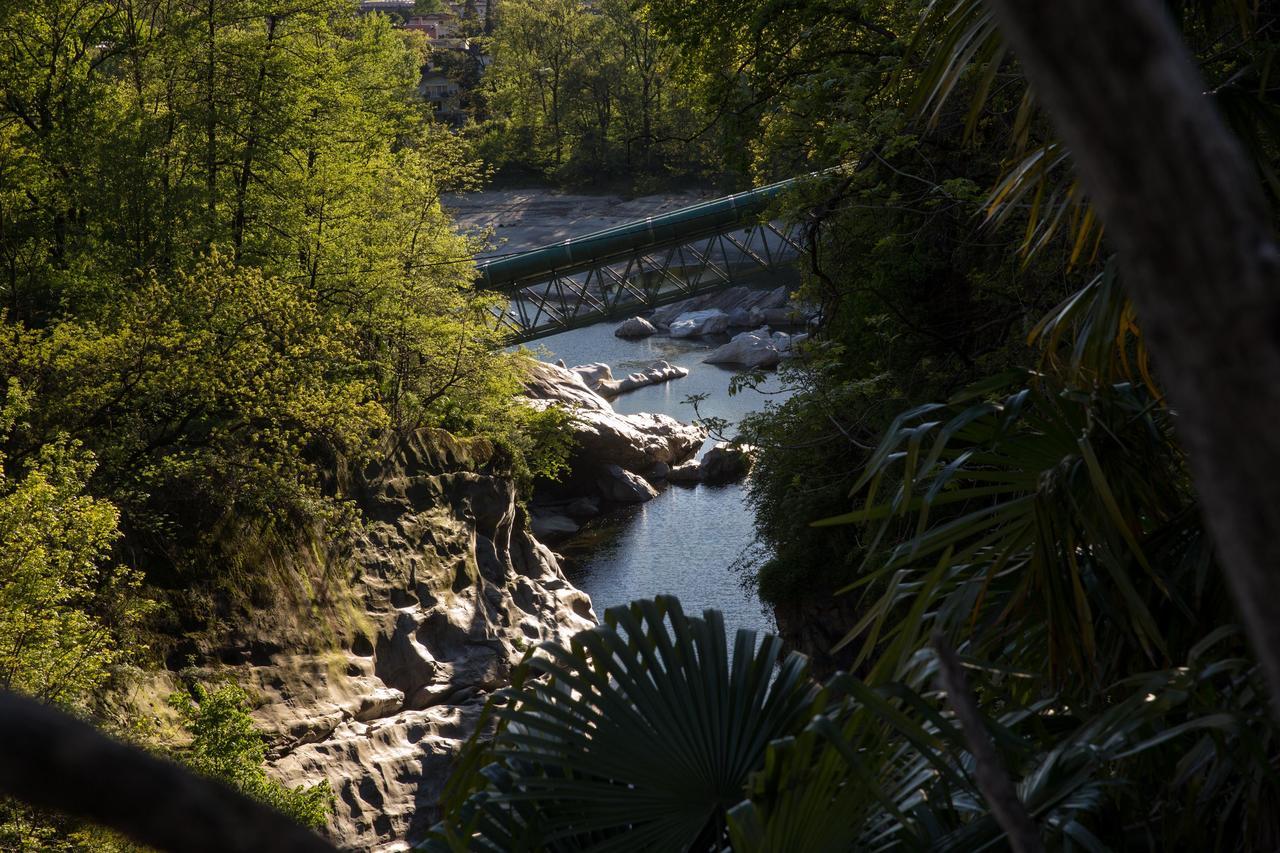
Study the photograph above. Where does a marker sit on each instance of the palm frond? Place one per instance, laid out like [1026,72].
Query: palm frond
[639,736]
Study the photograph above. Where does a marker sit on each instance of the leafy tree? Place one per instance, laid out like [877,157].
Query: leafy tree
[68,613]
[225,745]
[579,91]
[253,280]
[65,610]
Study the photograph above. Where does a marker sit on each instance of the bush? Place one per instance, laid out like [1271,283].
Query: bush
[226,746]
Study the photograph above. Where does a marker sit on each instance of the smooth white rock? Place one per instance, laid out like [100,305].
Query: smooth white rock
[749,349]
[593,374]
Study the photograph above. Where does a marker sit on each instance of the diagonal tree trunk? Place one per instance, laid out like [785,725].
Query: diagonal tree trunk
[1184,208]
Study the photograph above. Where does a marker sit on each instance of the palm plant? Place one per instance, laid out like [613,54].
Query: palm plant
[1051,527]
[639,736]
[659,740]
[964,51]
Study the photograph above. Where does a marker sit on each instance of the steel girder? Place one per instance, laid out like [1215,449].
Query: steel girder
[636,279]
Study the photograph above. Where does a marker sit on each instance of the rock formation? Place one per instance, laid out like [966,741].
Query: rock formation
[599,378]
[615,456]
[636,327]
[603,437]
[736,302]
[448,590]
[724,462]
[727,462]
[691,324]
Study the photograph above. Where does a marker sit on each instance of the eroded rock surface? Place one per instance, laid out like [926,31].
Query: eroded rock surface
[449,590]
[654,374]
[605,440]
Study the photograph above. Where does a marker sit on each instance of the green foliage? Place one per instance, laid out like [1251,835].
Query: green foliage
[645,734]
[636,737]
[581,91]
[226,746]
[1068,535]
[227,269]
[66,612]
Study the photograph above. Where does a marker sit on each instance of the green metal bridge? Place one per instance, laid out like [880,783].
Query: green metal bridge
[617,272]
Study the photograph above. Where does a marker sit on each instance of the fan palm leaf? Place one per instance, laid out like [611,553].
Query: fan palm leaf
[639,736]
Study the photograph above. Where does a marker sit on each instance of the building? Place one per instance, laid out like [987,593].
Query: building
[436,25]
[442,92]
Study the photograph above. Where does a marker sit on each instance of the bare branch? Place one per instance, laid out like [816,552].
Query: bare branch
[995,784]
[54,761]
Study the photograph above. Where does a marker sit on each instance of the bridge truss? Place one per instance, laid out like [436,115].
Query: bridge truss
[639,266]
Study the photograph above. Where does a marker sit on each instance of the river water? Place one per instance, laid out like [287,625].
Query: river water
[686,541]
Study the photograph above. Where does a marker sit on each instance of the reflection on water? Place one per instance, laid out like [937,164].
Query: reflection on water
[686,540]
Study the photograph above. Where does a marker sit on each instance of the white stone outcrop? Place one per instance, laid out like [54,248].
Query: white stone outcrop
[759,348]
[593,374]
[555,382]
[654,374]
[604,438]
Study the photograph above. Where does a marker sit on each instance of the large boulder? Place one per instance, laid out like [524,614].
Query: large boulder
[750,349]
[635,442]
[636,327]
[726,462]
[553,382]
[695,323]
[621,486]
[593,374]
[603,437]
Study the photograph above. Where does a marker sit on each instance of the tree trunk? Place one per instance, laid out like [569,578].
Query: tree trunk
[251,141]
[1184,208]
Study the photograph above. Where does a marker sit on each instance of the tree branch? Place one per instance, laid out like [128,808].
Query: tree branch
[995,785]
[51,760]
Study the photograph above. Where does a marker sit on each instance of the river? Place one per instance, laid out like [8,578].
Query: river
[686,541]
